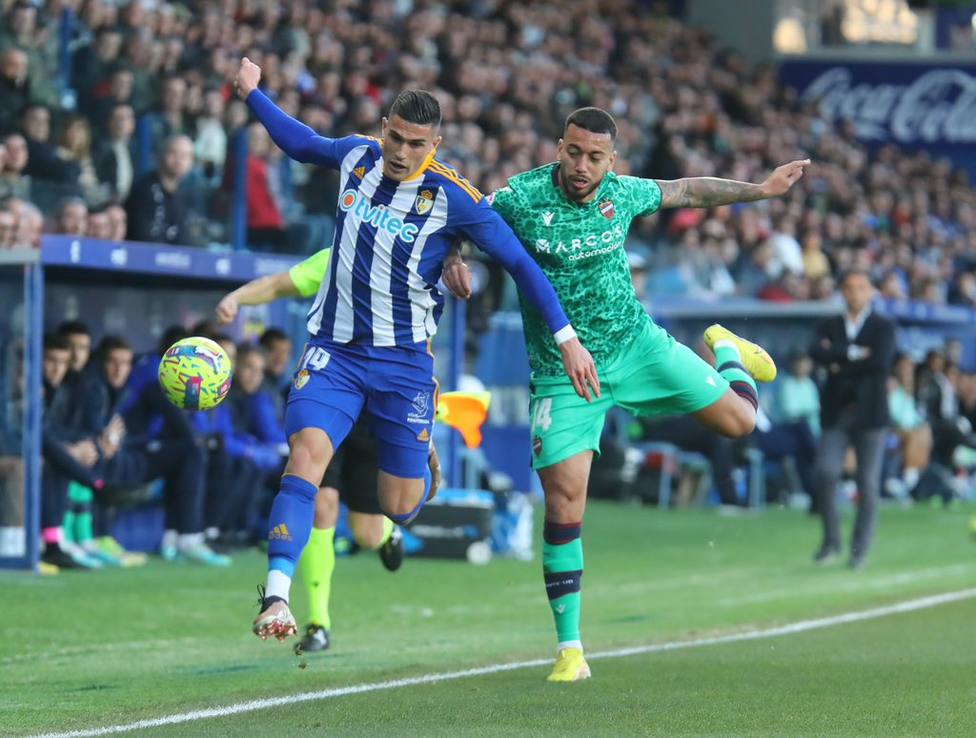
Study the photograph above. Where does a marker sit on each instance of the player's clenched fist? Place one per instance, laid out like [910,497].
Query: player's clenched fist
[248,77]
[580,368]
[226,309]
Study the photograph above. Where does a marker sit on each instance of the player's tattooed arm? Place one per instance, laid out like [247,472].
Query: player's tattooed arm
[707,192]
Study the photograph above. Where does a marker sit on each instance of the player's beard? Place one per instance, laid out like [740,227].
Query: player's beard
[574,194]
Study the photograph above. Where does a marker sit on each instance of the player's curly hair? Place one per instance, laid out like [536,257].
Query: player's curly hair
[417,106]
[594,120]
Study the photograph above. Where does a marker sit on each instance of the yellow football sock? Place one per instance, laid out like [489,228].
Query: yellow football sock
[317,564]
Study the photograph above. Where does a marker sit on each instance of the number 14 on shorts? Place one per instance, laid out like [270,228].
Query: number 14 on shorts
[541,414]
[315,358]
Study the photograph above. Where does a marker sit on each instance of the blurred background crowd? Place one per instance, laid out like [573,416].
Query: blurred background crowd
[119,118]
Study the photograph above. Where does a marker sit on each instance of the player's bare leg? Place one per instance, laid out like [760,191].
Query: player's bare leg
[564,485]
[730,415]
[400,498]
[311,452]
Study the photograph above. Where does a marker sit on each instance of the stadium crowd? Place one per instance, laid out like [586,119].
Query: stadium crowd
[143,142]
[135,140]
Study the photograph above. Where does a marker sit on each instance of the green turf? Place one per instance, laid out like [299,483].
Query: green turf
[87,650]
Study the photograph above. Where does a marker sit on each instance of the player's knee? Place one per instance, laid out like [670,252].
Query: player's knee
[739,423]
[308,452]
[400,509]
[562,500]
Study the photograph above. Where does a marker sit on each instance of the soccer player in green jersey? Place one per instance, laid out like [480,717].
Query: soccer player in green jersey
[573,216]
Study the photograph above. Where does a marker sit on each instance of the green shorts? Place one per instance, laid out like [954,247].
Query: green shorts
[653,376]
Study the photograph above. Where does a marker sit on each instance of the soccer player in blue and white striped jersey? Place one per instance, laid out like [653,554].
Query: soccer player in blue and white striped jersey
[400,212]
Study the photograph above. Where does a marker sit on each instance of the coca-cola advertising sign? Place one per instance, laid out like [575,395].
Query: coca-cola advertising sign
[913,105]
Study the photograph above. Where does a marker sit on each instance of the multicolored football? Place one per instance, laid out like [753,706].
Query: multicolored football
[195,373]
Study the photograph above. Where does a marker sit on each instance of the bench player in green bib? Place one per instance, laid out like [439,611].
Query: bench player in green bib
[572,216]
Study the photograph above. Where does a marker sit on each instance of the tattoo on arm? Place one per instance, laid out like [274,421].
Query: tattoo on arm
[706,192]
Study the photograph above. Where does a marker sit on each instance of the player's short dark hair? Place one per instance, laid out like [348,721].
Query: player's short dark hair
[56,342]
[73,328]
[272,336]
[109,344]
[417,106]
[594,120]
[855,272]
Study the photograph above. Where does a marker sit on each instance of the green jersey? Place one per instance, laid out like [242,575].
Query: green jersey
[580,248]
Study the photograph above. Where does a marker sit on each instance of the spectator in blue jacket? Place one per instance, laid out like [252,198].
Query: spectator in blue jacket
[252,447]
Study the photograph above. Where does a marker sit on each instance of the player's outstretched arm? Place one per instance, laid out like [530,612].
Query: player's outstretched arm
[293,137]
[707,192]
[256,292]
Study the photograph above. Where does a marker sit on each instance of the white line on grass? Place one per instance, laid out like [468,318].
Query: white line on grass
[748,635]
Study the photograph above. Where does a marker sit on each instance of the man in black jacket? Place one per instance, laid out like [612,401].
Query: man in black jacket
[857,350]
[156,206]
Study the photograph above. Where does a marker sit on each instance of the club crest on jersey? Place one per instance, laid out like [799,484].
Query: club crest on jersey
[301,379]
[423,436]
[606,209]
[359,172]
[424,202]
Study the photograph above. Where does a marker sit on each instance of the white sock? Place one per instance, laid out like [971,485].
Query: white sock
[212,533]
[725,343]
[569,644]
[279,584]
[910,477]
[170,538]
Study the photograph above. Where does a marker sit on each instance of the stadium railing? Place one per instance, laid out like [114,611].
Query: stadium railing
[21,331]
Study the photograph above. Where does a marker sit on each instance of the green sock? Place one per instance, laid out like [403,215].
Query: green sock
[388,526]
[82,498]
[562,566]
[317,564]
[68,527]
[729,365]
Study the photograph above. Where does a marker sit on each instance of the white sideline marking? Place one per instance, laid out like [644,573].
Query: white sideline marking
[749,635]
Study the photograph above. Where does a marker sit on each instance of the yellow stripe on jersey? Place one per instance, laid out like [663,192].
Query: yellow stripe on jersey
[457,179]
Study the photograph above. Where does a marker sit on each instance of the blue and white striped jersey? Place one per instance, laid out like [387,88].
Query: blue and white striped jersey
[391,239]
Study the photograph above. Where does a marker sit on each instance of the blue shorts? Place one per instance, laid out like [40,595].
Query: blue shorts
[395,387]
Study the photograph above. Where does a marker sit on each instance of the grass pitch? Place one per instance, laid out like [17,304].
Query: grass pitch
[91,650]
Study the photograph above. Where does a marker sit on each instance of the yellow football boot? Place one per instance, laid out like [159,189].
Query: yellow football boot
[570,666]
[754,357]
